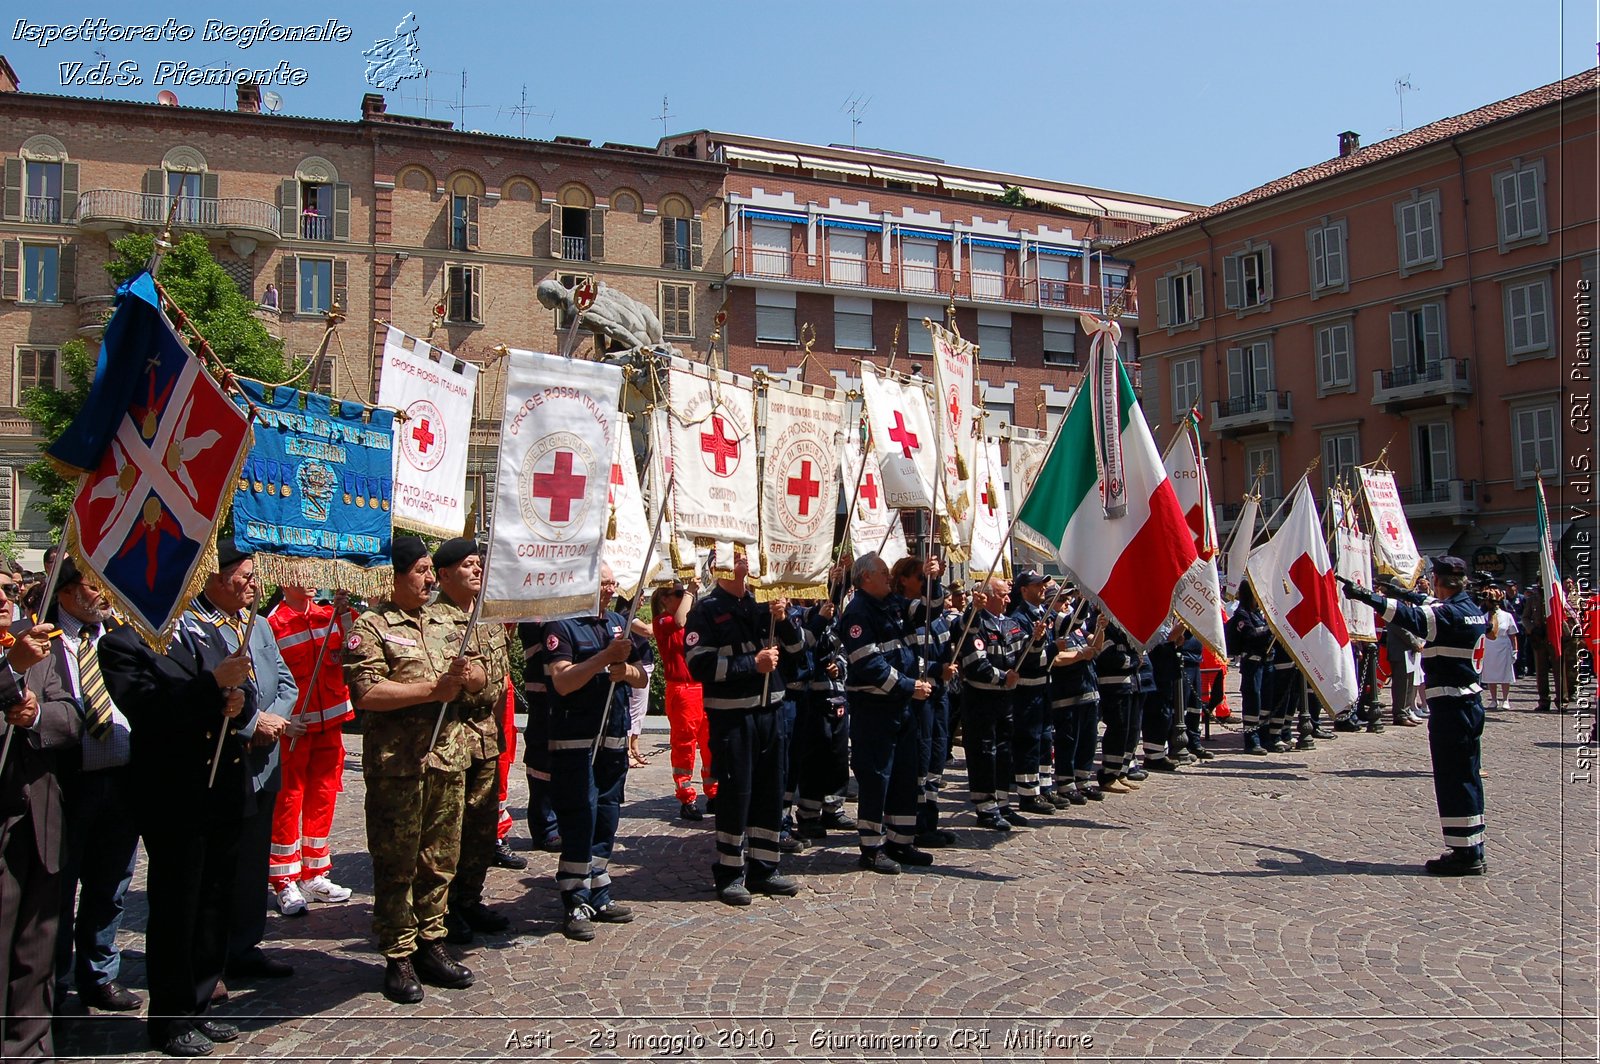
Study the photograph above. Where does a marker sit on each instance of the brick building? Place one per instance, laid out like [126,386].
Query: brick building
[1422,294]
[443,233]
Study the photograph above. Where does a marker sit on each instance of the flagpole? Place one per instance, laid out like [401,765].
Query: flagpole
[244,649]
[44,604]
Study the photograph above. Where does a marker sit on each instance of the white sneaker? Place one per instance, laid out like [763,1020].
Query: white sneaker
[290,901]
[324,889]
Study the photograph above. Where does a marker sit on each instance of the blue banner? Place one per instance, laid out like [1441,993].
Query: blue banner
[318,483]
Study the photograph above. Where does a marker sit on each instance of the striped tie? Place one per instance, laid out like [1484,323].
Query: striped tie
[96,700]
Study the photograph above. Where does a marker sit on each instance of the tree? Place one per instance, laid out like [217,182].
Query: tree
[213,303]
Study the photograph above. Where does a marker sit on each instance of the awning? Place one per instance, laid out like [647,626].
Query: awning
[1524,539]
[839,223]
[1050,249]
[1139,212]
[1070,200]
[922,234]
[987,242]
[835,166]
[961,184]
[756,155]
[1432,544]
[770,216]
[913,177]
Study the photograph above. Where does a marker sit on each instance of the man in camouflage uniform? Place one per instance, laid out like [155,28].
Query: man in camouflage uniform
[400,662]
[458,566]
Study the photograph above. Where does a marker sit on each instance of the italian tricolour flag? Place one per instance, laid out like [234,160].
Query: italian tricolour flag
[1131,565]
[1556,606]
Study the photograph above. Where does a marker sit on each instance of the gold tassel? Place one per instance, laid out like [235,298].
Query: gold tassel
[961,467]
[611,524]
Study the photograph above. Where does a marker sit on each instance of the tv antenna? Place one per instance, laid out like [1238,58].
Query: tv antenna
[857,107]
[663,116]
[461,106]
[101,53]
[522,110]
[1402,85]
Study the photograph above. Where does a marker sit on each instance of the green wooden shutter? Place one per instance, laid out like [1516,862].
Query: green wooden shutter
[669,243]
[69,193]
[696,245]
[11,270]
[12,208]
[288,277]
[597,235]
[210,186]
[341,211]
[289,207]
[472,223]
[555,230]
[67,277]
[341,278]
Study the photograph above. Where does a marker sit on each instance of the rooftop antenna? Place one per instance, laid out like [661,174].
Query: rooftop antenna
[663,116]
[461,106]
[857,107]
[523,111]
[101,53]
[1402,85]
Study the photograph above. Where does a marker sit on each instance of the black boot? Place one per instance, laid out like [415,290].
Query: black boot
[436,967]
[400,983]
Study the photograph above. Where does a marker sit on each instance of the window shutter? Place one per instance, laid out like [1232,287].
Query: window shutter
[155,183]
[1266,274]
[1197,288]
[288,276]
[696,244]
[341,211]
[1427,232]
[210,187]
[1510,214]
[1333,255]
[69,192]
[341,274]
[67,278]
[473,203]
[1317,252]
[1528,196]
[597,234]
[1410,244]
[1432,332]
[1164,301]
[669,243]
[1236,377]
[289,207]
[477,293]
[1324,357]
[555,230]
[1399,339]
[11,270]
[1538,324]
[1261,368]
[12,209]
[1230,282]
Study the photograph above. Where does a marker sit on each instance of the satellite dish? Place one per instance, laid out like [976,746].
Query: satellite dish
[273,101]
[167,98]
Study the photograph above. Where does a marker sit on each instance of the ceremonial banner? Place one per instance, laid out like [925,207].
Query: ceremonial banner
[630,523]
[1557,609]
[159,446]
[801,495]
[550,509]
[902,438]
[953,372]
[1353,561]
[1028,448]
[687,561]
[430,463]
[314,496]
[1239,544]
[1294,583]
[1199,601]
[1394,553]
[985,528]
[712,433]
[873,522]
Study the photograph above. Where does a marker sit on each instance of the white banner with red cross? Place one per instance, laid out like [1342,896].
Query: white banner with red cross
[953,372]
[902,437]
[875,525]
[631,521]
[716,488]
[1199,600]
[800,498]
[985,527]
[551,488]
[435,391]
[1394,552]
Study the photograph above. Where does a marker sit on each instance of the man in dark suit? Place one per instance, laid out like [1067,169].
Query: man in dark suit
[30,854]
[176,704]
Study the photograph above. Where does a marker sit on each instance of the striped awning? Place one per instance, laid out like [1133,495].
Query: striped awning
[962,184]
[913,177]
[756,155]
[835,166]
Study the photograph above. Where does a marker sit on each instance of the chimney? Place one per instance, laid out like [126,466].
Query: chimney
[8,77]
[1349,143]
[373,106]
[249,98]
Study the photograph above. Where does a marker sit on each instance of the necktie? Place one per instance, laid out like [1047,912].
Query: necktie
[92,686]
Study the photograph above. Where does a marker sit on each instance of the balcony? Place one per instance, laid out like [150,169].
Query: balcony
[1262,412]
[1445,379]
[105,210]
[44,210]
[918,279]
[1444,498]
[575,248]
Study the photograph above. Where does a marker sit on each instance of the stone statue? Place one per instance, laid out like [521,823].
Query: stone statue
[615,318]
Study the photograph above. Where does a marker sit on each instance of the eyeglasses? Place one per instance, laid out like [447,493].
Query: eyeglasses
[7,587]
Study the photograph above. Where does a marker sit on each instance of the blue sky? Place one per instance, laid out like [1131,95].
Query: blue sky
[1191,101]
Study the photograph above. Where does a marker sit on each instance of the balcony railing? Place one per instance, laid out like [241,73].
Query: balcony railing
[1441,498]
[109,208]
[1445,377]
[575,248]
[1270,410]
[911,278]
[45,209]
[316,227]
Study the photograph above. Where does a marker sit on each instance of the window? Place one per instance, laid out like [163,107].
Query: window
[316,211]
[1249,376]
[35,367]
[1533,434]
[1247,278]
[1340,452]
[41,273]
[1185,386]
[852,323]
[41,187]
[1262,458]
[1527,310]
[1060,342]
[1417,227]
[577,234]
[918,340]
[681,244]
[1335,364]
[994,336]
[1519,197]
[769,249]
[464,293]
[1435,456]
[919,265]
[43,193]
[187,188]
[677,313]
[775,316]
[1416,337]
[1054,284]
[464,223]
[1325,245]
[316,285]
[1180,298]
[988,274]
[847,257]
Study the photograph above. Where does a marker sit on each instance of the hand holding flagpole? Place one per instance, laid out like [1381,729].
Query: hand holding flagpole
[244,653]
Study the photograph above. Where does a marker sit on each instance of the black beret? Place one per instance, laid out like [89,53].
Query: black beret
[407,551]
[1449,565]
[455,551]
[230,554]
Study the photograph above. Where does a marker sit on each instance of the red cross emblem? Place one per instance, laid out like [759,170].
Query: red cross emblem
[804,487]
[1391,530]
[955,412]
[561,486]
[869,490]
[1319,601]
[901,435]
[720,447]
[988,499]
[423,436]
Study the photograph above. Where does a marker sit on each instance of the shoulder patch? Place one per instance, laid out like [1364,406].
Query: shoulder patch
[855,631]
[977,644]
[692,639]
[551,642]
[353,642]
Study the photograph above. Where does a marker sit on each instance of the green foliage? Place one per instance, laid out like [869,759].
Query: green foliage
[214,305]
[1013,197]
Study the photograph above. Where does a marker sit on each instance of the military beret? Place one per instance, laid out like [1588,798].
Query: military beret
[455,551]
[230,554]
[407,551]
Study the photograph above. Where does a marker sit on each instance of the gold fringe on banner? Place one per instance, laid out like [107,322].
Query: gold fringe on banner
[372,584]
[954,551]
[778,591]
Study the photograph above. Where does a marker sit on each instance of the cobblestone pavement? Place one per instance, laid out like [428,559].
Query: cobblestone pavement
[1252,908]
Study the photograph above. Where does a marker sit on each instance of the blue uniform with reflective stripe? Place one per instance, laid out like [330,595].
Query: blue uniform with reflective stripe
[882,669]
